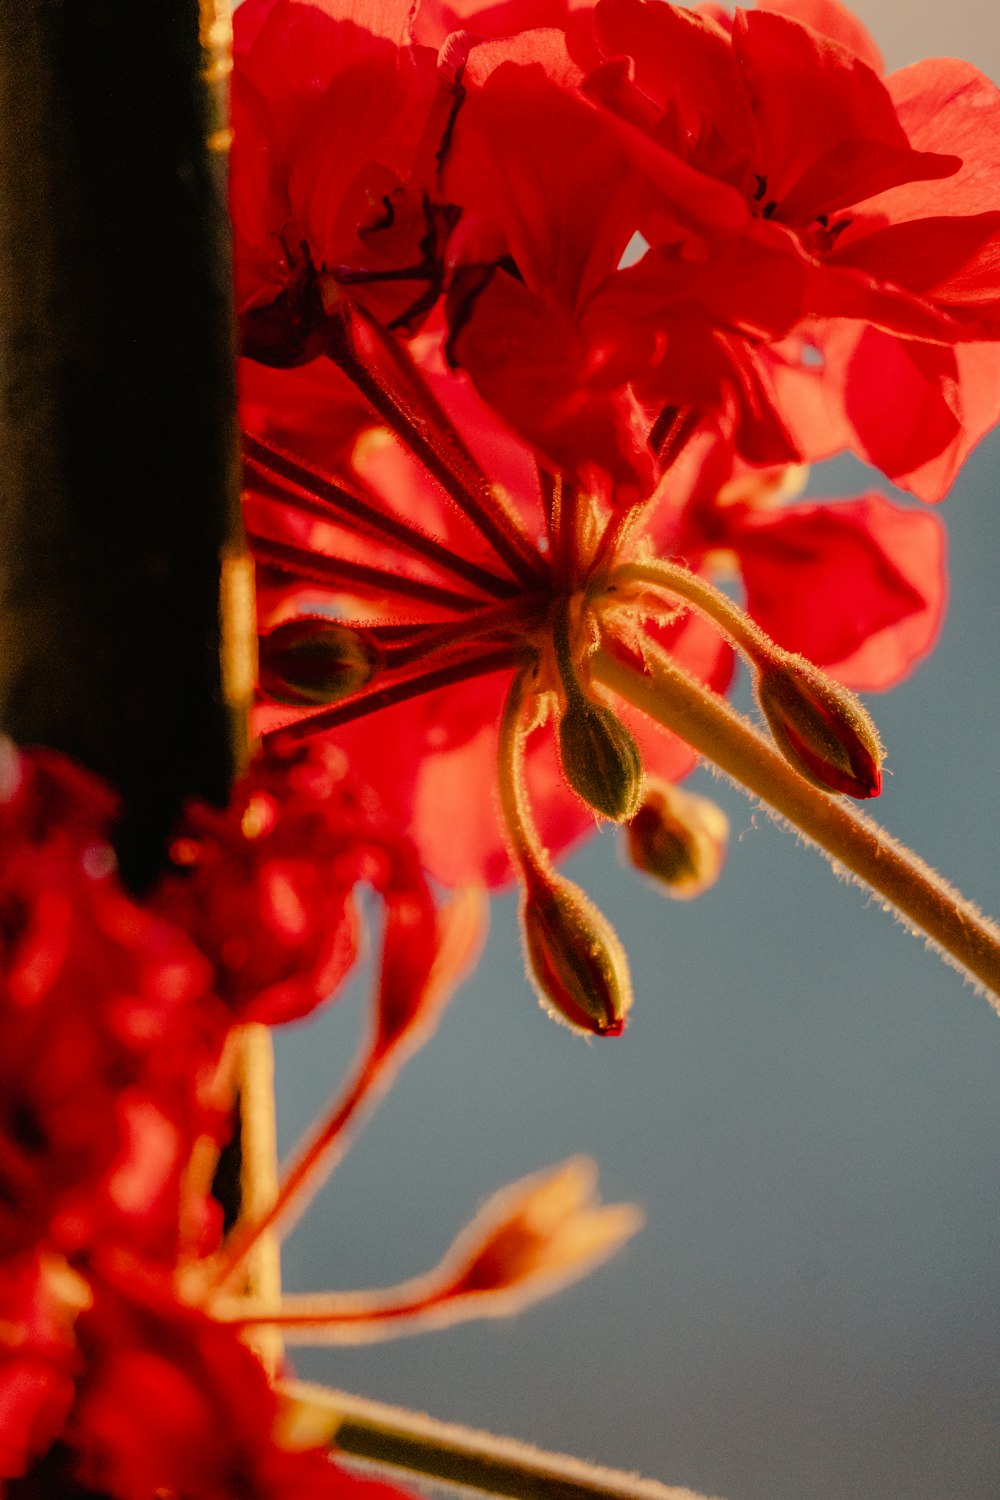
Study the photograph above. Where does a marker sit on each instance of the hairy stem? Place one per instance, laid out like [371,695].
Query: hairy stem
[963,936]
[459,1455]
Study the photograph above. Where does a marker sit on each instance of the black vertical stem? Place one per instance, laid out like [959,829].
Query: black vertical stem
[118,456]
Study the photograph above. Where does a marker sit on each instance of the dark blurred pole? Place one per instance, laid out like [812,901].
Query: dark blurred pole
[119,513]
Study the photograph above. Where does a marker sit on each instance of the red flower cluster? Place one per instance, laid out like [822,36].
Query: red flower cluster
[267,888]
[113,1026]
[606,273]
[635,208]
[857,586]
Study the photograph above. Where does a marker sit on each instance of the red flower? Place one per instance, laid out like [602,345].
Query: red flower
[107,1024]
[169,1402]
[780,188]
[332,164]
[424,753]
[267,888]
[856,585]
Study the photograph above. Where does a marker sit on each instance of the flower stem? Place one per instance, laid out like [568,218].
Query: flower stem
[499,660]
[409,408]
[459,1455]
[317,1152]
[339,573]
[333,501]
[678,580]
[259,1175]
[960,933]
[526,846]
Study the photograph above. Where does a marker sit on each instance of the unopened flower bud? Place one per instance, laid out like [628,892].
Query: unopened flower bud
[310,662]
[600,758]
[679,839]
[575,958]
[820,727]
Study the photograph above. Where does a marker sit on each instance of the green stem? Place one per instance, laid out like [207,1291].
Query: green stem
[458,1455]
[965,938]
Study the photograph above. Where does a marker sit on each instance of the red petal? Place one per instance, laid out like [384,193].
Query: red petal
[533,365]
[953,260]
[683,63]
[942,402]
[833,20]
[826,123]
[946,105]
[857,586]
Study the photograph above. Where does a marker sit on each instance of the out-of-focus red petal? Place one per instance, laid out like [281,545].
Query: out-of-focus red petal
[856,586]
[833,20]
[943,401]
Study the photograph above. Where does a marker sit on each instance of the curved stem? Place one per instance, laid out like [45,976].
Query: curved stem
[679,580]
[475,1460]
[526,846]
[965,938]
[317,1153]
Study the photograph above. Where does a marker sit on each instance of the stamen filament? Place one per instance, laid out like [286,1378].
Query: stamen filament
[419,421]
[398,692]
[615,534]
[965,938]
[338,573]
[332,499]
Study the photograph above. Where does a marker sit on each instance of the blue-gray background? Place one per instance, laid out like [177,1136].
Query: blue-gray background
[806,1105]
